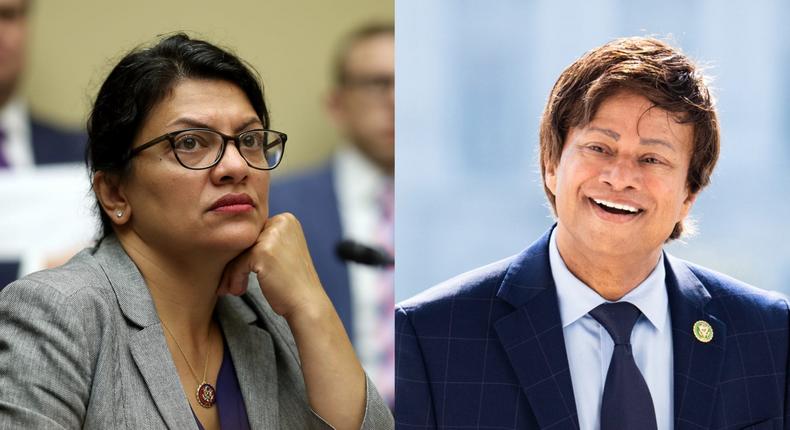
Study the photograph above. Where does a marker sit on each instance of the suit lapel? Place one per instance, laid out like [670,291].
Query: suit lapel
[697,365]
[148,346]
[533,340]
[253,357]
[153,358]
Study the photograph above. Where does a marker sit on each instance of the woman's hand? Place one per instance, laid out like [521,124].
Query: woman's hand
[335,381]
[283,266]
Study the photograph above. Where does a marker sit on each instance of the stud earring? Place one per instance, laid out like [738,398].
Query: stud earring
[119,213]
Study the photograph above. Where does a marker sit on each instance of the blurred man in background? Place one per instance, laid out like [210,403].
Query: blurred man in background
[350,199]
[25,142]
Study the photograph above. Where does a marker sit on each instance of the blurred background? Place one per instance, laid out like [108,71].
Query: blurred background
[473,78]
[74,44]
[55,55]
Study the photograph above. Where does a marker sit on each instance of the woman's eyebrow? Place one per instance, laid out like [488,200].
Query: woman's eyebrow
[196,123]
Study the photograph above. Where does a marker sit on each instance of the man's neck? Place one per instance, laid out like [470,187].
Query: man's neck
[613,275]
[6,94]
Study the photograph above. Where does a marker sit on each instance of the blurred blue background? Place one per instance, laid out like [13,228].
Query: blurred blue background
[472,80]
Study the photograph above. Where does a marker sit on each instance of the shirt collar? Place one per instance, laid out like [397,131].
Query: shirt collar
[576,299]
[15,123]
[13,112]
[363,180]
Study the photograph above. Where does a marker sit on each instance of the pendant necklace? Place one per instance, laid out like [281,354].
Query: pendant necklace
[206,394]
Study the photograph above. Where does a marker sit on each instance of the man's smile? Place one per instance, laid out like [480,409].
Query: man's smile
[617,208]
[613,211]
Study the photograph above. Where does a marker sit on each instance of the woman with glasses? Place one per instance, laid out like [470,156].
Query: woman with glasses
[195,309]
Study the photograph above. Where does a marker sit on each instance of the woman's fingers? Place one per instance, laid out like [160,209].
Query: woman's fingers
[283,265]
[281,262]
[235,277]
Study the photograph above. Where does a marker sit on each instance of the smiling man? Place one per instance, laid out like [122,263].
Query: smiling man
[594,326]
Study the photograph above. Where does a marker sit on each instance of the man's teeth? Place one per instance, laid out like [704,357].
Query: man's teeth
[616,206]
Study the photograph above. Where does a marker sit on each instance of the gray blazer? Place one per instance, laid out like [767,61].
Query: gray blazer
[81,346]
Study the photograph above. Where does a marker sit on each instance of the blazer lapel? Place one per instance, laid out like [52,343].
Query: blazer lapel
[148,346]
[253,356]
[153,358]
[697,364]
[532,337]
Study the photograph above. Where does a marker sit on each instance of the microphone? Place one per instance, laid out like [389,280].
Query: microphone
[351,250]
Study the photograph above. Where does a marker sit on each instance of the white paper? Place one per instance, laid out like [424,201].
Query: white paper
[45,212]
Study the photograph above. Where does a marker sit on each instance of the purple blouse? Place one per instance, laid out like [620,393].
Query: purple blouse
[230,404]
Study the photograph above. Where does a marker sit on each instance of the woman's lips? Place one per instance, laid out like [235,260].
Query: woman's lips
[234,208]
[233,203]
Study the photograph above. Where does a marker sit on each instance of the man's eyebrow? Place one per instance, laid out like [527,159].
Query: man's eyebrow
[654,141]
[611,133]
[643,141]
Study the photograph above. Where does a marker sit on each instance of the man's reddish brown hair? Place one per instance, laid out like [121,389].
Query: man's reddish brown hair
[646,66]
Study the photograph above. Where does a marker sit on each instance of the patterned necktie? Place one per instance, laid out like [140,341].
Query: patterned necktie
[627,403]
[3,160]
[385,377]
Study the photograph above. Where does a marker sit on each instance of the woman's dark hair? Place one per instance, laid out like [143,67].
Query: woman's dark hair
[143,78]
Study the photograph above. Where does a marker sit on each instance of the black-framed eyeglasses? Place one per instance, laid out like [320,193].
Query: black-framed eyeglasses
[203,148]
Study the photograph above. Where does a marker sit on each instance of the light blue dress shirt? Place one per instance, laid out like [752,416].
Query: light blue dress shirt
[590,347]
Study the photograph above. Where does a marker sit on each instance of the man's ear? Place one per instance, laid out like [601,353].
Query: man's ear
[688,202]
[112,198]
[550,176]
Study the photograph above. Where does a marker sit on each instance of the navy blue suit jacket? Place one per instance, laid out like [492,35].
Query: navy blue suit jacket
[310,196]
[485,350]
[50,146]
[53,145]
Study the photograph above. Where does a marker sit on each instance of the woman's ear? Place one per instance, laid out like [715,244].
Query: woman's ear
[109,191]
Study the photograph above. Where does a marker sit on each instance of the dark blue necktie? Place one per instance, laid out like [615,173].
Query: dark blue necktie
[626,399]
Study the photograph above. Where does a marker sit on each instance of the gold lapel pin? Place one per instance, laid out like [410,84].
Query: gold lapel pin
[703,331]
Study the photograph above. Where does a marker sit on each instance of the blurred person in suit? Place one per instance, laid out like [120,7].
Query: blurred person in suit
[351,197]
[594,326]
[25,141]
[196,309]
